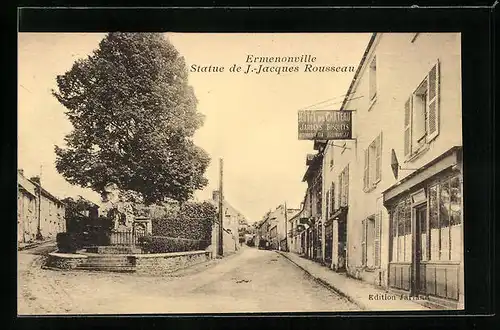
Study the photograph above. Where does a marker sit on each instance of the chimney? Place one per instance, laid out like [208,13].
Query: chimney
[36,179]
[215,195]
[21,171]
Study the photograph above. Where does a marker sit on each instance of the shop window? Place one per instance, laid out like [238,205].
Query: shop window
[445,212]
[401,232]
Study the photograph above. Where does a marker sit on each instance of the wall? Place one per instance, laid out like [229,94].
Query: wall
[27,215]
[164,263]
[52,218]
[52,212]
[401,67]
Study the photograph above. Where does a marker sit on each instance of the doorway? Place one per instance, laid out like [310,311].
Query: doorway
[418,282]
[342,242]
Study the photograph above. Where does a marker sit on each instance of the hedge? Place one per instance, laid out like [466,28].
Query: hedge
[161,244]
[192,220]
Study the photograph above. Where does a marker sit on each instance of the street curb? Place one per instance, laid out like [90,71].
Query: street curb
[33,245]
[326,284]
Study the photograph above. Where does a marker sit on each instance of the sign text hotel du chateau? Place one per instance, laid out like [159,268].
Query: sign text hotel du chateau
[274,64]
[325,124]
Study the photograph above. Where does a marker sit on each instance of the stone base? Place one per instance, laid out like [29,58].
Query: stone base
[114,249]
[65,260]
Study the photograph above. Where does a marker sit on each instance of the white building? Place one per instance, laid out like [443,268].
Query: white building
[393,193]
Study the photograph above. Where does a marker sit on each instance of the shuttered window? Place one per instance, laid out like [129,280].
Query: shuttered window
[332,198]
[373,164]
[433,102]
[378,161]
[378,234]
[407,127]
[421,118]
[367,166]
[327,206]
[363,242]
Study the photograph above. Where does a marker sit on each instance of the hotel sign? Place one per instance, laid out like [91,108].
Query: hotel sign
[325,124]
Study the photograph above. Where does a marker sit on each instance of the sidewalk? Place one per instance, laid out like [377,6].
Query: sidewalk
[365,295]
[31,245]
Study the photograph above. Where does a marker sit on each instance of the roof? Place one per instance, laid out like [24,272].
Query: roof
[361,63]
[31,186]
[313,167]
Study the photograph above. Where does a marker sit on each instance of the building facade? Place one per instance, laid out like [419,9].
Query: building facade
[278,219]
[40,215]
[232,219]
[393,194]
[311,229]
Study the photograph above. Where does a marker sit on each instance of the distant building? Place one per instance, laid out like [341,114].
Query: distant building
[231,225]
[40,214]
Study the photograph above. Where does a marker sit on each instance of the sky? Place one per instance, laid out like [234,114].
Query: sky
[250,119]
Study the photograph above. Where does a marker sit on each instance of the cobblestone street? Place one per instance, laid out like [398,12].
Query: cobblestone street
[250,281]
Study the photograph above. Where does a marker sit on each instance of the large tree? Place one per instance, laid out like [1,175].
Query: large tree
[134,116]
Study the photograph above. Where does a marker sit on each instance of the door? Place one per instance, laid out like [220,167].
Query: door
[418,283]
[342,242]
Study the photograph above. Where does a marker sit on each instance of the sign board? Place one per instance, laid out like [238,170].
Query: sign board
[325,124]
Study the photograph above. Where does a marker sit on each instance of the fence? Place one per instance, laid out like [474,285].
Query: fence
[126,237]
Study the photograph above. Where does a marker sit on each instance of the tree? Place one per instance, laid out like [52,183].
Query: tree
[134,116]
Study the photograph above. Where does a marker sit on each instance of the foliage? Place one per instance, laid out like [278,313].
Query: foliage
[68,242]
[79,205]
[191,220]
[134,116]
[161,244]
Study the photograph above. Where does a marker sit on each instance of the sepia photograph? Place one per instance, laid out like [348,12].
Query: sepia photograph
[183,173]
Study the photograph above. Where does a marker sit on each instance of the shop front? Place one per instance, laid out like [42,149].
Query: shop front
[426,232]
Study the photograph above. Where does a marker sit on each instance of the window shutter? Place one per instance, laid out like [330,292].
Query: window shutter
[407,127]
[332,197]
[327,208]
[433,103]
[378,163]
[378,232]
[346,181]
[365,177]
[363,242]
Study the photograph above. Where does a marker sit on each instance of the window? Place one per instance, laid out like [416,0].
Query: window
[327,205]
[373,166]
[333,205]
[368,241]
[401,234]
[421,117]
[373,79]
[445,210]
[344,187]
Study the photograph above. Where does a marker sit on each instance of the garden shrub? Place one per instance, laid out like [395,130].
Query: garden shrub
[161,244]
[68,242]
[190,220]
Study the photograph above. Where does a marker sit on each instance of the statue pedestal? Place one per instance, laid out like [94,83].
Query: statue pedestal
[143,225]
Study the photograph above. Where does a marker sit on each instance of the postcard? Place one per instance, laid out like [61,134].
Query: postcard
[180,173]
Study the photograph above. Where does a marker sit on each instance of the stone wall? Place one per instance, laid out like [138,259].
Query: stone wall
[164,263]
[65,260]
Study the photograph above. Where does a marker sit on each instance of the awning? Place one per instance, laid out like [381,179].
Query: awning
[439,164]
